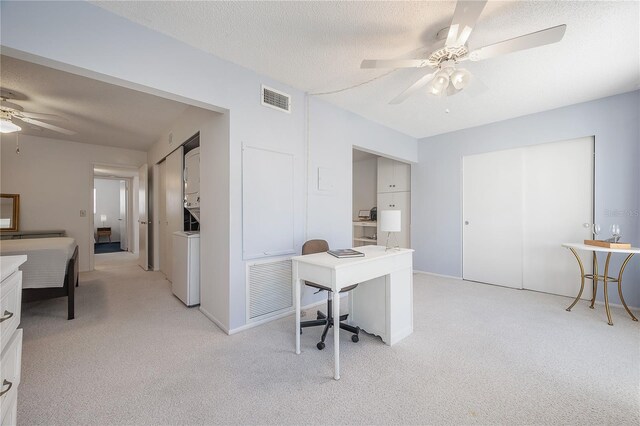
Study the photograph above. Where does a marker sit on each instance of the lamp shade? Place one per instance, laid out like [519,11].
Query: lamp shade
[103,218]
[390,221]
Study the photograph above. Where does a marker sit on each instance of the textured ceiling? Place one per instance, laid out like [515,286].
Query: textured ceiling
[318,47]
[100,113]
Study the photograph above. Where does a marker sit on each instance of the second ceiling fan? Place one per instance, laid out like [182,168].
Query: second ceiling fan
[446,78]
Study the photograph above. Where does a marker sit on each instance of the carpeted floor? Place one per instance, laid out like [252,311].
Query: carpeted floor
[101,248]
[479,355]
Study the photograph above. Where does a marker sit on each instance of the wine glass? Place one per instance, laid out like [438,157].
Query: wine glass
[596,231]
[615,230]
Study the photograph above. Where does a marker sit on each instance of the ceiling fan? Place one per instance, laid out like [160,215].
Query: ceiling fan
[447,79]
[10,112]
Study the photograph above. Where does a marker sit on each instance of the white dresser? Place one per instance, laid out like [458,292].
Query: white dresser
[10,336]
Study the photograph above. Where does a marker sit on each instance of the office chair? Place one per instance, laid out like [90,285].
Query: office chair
[319,246]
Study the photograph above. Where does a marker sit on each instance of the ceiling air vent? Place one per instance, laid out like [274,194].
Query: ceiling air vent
[276,99]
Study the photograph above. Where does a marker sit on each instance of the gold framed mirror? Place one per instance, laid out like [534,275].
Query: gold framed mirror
[9,212]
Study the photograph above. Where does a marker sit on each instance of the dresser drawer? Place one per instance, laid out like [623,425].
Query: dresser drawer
[10,300]
[10,366]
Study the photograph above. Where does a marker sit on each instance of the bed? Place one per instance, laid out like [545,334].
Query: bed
[51,269]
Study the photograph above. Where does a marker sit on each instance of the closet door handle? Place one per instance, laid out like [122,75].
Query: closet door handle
[5,382]
[6,316]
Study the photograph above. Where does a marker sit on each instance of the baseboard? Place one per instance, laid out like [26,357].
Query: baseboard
[278,316]
[616,305]
[215,320]
[433,274]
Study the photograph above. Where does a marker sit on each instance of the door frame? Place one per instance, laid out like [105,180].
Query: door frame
[132,213]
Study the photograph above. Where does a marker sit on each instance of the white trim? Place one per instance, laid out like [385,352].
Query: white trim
[275,317]
[415,271]
[214,320]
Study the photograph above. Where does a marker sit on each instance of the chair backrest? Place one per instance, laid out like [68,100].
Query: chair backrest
[315,246]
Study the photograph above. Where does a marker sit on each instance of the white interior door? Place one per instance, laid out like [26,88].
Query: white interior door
[122,220]
[492,215]
[174,203]
[143,215]
[558,188]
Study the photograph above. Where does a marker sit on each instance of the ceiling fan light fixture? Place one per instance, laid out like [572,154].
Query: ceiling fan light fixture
[460,78]
[441,80]
[6,126]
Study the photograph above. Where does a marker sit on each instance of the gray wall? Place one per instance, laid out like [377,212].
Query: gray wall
[365,185]
[437,187]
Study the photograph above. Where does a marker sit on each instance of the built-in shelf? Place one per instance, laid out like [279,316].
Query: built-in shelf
[364,232]
[366,223]
[367,240]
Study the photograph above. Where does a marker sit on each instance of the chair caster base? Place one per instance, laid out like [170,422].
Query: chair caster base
[320,346]
[355,338]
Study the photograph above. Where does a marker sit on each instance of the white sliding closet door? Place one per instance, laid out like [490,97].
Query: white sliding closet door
[519,206]
[558,187]
[492,214]
[174,185]
[162,216]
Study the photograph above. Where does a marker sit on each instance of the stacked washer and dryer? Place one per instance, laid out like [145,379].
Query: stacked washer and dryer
[186,244]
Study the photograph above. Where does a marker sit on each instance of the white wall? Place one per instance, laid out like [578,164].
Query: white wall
[136,57]
[214,202]
[436,185]
[365,185]
[108,204]
[55,181]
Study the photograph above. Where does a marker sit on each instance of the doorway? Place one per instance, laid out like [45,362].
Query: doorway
[115,218]
[519,206]
[111,216]
[380,184]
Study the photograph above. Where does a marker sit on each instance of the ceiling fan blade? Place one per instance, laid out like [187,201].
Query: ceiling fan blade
[47,126]
[41,116]
[394,63]
[464,19]
[412,89]
[539,38]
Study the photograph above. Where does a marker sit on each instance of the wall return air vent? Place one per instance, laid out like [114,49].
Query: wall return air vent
[275,99]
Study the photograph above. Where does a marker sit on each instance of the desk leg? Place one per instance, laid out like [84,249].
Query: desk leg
[624,265]
[606,292]
[595,278]
[297,297]
[335,297]
[581,279]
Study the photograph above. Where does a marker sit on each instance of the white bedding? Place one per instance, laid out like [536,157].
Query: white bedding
[47,259]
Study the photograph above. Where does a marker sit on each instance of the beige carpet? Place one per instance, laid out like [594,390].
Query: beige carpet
[479,354]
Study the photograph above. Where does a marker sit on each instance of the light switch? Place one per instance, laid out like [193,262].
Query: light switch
[83,213]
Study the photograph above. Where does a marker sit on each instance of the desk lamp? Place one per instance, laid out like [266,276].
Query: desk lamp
[390,222]
[103,219]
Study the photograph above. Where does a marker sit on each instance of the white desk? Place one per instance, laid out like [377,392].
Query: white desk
[605,278]
[390,271]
